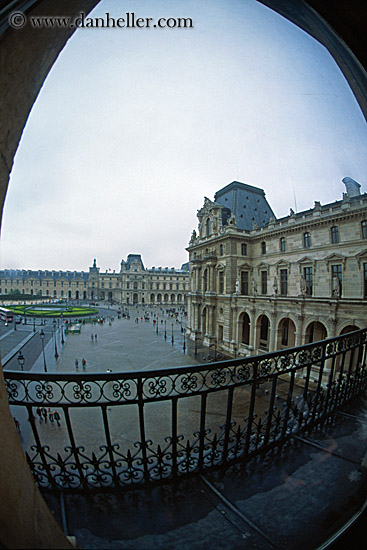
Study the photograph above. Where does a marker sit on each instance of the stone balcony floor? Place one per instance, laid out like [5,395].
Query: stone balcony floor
[294,500]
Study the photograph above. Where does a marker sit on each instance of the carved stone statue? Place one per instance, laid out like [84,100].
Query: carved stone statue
[253,287]
[336,287]
[237,287]
[302,284]
[275,285]
[193,236]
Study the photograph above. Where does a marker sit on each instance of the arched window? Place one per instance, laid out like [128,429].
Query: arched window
[282,244]
[208,227]
[263,247]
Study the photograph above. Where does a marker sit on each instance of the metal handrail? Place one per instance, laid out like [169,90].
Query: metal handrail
[186,419]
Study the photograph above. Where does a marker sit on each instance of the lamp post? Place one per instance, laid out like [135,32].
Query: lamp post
[42,336]
[184,343]
[34,324]
[56,354]
[15,323]
[157,323]
[165,329]
[21,359]
[62,330]
[172,335]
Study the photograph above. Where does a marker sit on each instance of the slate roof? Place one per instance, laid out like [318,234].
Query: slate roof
[247,203]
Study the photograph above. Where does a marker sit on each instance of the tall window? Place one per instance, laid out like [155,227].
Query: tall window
[336,273]
[307,240]
[221,250]
[283,282]
[244,249]
[221,282]
[282,244]
[244,283]
[364,280]
[263,247]
[364,229]
[205,280]
[307,273]
[335,234]
[264,282]
[208,229]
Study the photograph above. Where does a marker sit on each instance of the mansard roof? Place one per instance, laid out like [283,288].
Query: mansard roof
[247,203]
[42,274]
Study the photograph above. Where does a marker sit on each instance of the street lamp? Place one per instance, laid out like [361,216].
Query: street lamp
[172,335]
[34,324]
[165,329]
[21,359]
[184,343]
[42,336]
[56,354]
[62,330]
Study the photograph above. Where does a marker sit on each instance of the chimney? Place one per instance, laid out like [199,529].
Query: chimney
[353,187]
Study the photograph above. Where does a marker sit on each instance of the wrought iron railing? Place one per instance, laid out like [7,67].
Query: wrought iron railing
[118,429]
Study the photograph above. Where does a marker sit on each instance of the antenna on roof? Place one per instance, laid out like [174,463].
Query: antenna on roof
[294,196]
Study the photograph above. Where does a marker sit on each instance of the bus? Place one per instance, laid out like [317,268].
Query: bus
[6,315]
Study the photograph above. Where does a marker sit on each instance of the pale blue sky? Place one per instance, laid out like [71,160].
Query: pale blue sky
[133,127]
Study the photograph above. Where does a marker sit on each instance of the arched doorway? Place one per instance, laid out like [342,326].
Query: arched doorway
[286,334]
[135,298]
[349,328]
[244,329]
[203,322]
[152,298]
[262,333]
[314,332]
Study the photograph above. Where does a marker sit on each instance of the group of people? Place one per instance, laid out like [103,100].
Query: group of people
[93,337]
[84,362]
[47,414]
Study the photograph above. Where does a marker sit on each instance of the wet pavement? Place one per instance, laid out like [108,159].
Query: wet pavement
[294,500]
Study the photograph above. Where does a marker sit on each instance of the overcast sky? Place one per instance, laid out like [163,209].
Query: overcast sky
[133,127]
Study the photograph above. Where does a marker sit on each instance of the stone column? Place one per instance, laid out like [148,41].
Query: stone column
[299,330]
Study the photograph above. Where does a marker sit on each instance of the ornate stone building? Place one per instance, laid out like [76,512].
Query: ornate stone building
[260,284]
[134,284]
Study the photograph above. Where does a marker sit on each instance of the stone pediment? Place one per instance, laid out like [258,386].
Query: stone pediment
[335,257]
[306,259]
[244,265]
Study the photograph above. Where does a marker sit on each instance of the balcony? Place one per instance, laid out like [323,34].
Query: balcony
[230,437]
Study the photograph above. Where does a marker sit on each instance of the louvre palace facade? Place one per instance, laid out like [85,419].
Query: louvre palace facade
[133,284]
[260,284]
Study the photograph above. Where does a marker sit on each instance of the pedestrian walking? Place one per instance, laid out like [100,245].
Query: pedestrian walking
[39,413]
[95,337]
[44,414]
[84,363]
[51,416]
[57,418]
[76,364]
[91,337]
